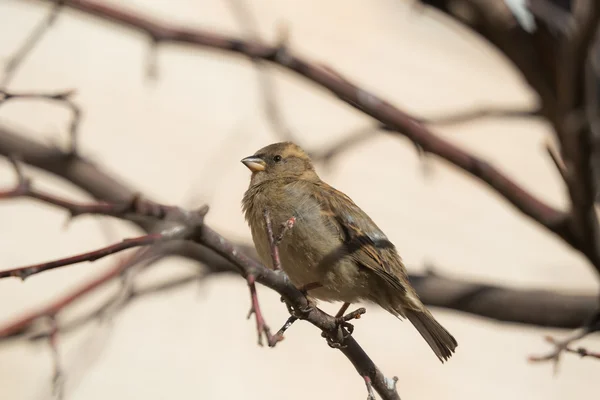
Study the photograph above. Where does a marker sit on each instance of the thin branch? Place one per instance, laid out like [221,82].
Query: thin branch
[63,98]
[272,241]
[564,345]
[583,352]
[58,380]
[145,240]
[267,86]
[350,140]
[11,66]
[26,323]
[479,113]
[122,298]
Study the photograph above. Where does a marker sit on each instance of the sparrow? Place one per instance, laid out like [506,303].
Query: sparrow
[334,248]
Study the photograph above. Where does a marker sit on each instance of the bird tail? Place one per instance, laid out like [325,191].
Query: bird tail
[439,339]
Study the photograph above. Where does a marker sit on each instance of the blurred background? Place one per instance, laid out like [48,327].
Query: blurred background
[178,138]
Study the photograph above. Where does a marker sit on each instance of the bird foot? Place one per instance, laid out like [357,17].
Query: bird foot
[299,313]
[344,329]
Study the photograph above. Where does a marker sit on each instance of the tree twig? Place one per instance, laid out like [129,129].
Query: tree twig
[11,66]
[367,102]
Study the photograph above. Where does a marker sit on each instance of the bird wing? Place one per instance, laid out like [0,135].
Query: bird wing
[365,242]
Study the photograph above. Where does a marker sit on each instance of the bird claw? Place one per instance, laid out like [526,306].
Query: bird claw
[300,313]
[344,329]
[336,339]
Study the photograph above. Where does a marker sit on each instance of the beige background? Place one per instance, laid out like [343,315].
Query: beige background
[180,139]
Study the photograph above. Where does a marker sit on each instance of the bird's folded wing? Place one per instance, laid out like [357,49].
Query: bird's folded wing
[365,242]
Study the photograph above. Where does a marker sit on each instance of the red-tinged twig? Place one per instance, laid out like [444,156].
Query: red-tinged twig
[583,352]
[63,98]
[564,345]
[274,248]
[145,240]
[25,323]
[275,240]
[11,66]
[262,329]
[124,296]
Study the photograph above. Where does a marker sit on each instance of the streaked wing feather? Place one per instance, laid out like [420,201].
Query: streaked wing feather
[357,229]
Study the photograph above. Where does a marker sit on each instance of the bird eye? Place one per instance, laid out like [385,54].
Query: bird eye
[277,158]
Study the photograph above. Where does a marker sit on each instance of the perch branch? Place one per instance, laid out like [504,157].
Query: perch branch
[490,301]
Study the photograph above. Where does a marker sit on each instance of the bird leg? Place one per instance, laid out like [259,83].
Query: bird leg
[342,310]
[261,327]
[344,328]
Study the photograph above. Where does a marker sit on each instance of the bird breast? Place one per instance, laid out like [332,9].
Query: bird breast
[303,246]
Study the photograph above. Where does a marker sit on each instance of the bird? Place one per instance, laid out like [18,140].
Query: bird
[334,250]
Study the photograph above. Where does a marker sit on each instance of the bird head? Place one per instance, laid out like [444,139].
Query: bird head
[280,160]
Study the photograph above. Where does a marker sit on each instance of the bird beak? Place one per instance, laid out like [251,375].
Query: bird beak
[254,164]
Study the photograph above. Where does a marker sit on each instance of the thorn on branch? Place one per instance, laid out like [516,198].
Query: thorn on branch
[560,346]
[558,163]
[152,60]
[285,227]
[273,242]
[58,379]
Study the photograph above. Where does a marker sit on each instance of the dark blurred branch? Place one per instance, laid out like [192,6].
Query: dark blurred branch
[387,114]
[573,131]
[472,115]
